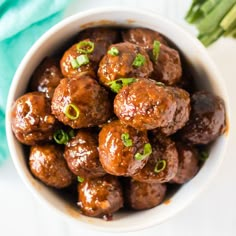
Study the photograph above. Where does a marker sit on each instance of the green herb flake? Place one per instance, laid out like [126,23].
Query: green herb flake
[60,136]
[118,84]
[160,166]
[82,60]
[113,51]
[80,179]
[74,63]
[127,141]
[203,156]
[147,151]
[85,47]
[139,60]
[156,50]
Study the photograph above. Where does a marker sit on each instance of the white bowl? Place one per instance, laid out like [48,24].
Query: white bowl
[207,77]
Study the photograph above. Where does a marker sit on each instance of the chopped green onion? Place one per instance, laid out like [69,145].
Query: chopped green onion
[147,151]
[74,63]
[79,61]
[139,60]
[113,51]
[80,179]
[160,166]
[117,85]
[71,133]
[72,111]
[85,47]
[203,156]
[160,84]
[82,60]
[60,137]
[156,50]
[127,141]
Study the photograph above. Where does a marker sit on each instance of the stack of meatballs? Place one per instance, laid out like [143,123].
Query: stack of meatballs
[117,114]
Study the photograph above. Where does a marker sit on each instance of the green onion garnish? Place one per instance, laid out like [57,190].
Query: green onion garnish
[156,50]
[203,156]
[147,151]
[113,51]
[160,84]
[139,60]
[71,133]
[72,111]
[74,63]
[127,141]
[79,61]
[82,60]
[60,137]
[80,179]
[160,166]
[118,84]
[85,47]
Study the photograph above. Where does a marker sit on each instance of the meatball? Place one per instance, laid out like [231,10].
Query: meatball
[129,61]
[141,196]
[145,105]
[81,102]
[100,196]
[162,165]
[119,146]
[48,165]
[142,37]
[182,112]
[46,77]
[167,68]
[81,154]
[108,35]
[207,119]
[31,119]
[84,60]
[188,163]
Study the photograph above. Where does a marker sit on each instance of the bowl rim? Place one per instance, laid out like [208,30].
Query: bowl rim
[15,82]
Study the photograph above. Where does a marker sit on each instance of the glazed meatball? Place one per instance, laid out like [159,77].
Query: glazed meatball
[100,196]
[81,102]
[182,112]
[81,154]
[108,35]
[145,105]
[167,68]
[142,37]
[76,62]
[118,146]
[140,196]
[31,119]
[207,119]
[129,61]
[162,165]
[188,163]
[46,77]
[48,165]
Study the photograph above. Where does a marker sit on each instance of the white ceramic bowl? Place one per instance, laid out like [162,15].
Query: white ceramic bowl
[207,77]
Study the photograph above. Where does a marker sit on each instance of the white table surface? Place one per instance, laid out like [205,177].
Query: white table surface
[212,213]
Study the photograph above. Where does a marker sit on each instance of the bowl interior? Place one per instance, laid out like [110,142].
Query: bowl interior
[207,78]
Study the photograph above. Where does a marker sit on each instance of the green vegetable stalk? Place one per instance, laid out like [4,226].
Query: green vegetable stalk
[213,18]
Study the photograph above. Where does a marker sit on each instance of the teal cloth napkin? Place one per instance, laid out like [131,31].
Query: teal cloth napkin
[22,22]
